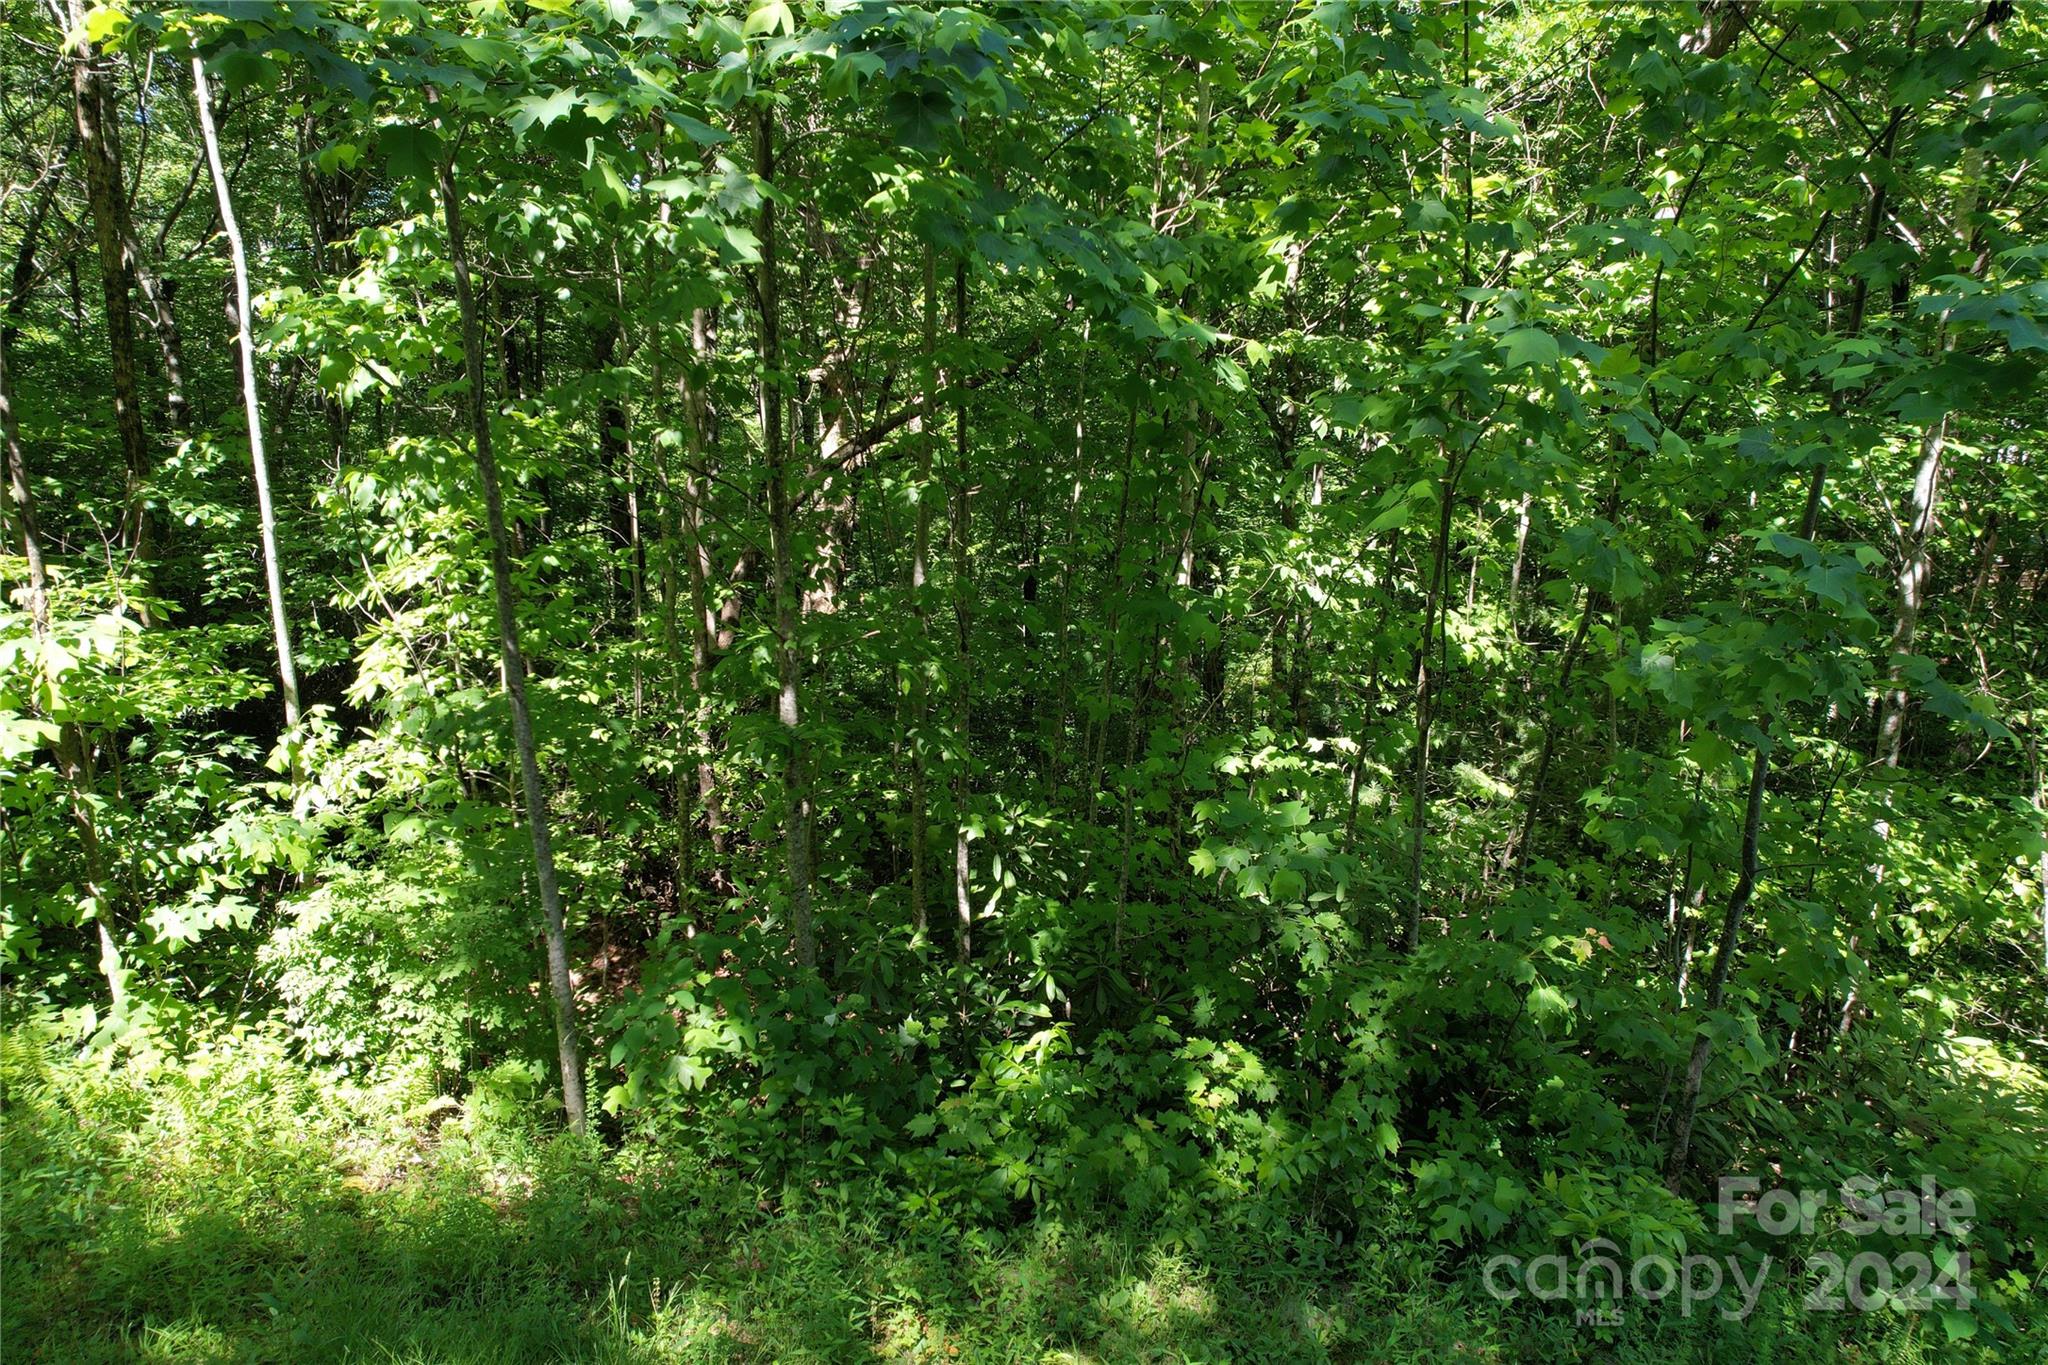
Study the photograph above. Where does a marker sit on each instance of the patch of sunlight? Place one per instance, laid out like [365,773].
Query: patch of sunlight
[902,1330]
[696,1322]
[1173,1298]
[1994,1062]
[2011,1091]
[185,1341]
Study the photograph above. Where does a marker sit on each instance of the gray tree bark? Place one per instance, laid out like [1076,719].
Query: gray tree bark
[568,1050]
[796,814]
[245,348]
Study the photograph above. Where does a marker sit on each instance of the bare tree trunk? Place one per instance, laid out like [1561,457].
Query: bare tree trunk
[567,1049]
[1987,561]
[1550,730]
[1515,573]
[796,813]
[1916,567]
[1724,960]
[21,282]
[963,587]
[245,343]
[1095,750]
[328,198]
[22,513]
[1720,25]
[156,291]
[1738,898]
[636,563]
[611,463]
[1411,936]
[70,750]
[2041,859]
[100,146]
[837,492]
[1063,698]
[697,572]
[1198,469]
[920,571]
[1282,701]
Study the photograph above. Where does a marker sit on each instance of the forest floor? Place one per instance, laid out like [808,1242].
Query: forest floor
[237,1208]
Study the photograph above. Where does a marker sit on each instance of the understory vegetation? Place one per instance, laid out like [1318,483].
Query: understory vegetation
[828,680]
[235,1206]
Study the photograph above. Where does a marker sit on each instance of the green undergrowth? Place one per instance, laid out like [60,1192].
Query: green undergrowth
[237,1207]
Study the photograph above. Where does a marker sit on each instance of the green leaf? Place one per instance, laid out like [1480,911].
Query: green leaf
[717,34]
[104,23]
[1528,346]
[410,153]
[698,131]
[528,110]
[241,69]
[770,16]
[1400,514]
[1547,1005]
[739,244]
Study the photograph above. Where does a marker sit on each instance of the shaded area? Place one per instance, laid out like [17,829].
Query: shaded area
[235,1210]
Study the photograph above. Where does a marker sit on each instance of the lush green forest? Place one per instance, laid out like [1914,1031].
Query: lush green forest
[834,680]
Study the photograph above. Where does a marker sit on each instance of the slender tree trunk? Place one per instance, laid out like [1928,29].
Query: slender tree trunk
[1190,670]
[1515,573]
[157,291]
[1096,749]
[796,811]
[22,511]
[2041,859]
[963,588]
[568,1050]
[328,199]
[70,750]
[611,461]
[245,344]
[837,492]
[1724,960]
[1987,561]
[920,571]
[697,571]
[1916,568]
[99,146]
[21,281]
[636,564]
[1062,665]
[1369,704]
[1282,691]
[1738,900]
[1745,882]
[1550,731]
[1425,698]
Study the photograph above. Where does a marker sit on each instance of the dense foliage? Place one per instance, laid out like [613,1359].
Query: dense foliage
[1302,627]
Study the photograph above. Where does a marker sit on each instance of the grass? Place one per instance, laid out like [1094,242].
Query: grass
[236,1208]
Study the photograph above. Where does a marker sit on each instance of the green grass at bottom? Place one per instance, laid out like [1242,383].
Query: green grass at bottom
[236,1209]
